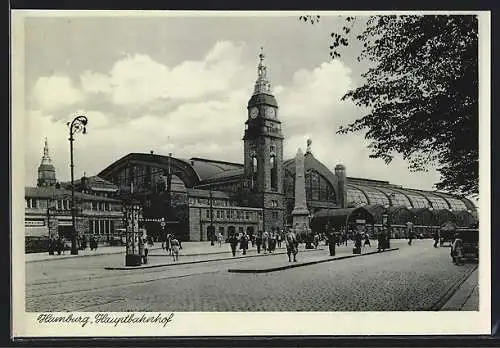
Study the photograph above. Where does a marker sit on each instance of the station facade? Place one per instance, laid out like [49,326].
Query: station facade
[258,194]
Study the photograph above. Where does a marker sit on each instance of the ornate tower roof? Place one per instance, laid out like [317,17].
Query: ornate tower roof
[46,170]
[262,90]
[262,85]
[46,158]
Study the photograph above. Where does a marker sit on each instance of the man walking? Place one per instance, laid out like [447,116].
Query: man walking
[436,238]
[258,241]
[233,242]
[291,246]
[409,228]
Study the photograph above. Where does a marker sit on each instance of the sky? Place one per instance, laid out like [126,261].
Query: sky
[181,84]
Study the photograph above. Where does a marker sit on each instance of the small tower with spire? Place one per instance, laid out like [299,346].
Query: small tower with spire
[46,170]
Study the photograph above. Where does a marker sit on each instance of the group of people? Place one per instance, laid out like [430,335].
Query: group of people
[57,245]
[265,241]
[268,241]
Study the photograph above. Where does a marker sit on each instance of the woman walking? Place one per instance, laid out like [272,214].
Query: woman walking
[244,243]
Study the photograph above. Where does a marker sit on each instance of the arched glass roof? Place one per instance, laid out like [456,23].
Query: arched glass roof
[374,196]
[417,199]
[455,203]
[355,196]
[437,202]
[397,198]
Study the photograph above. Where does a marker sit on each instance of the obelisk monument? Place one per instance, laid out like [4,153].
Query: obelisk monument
[300,214]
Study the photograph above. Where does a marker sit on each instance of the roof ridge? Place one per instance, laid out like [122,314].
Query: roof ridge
[215,161]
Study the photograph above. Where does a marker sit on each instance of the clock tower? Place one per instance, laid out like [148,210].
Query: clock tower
[263,151]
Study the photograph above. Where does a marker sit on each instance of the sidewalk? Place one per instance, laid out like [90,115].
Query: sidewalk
[466,297]
[188,248]
[305,260]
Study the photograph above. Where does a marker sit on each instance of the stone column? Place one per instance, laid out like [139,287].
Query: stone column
[300,213]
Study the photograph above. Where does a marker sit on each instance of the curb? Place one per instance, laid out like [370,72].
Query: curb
[122,268]
[452,290]
[281,268]
[200,254]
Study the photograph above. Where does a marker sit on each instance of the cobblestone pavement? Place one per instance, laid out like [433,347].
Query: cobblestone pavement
[413,278]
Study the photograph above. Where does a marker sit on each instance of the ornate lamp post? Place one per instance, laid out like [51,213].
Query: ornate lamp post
[76,126]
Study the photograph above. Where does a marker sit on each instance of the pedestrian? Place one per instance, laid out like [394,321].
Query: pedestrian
[456,250]
[59,246]
[436,238]
[367,240]
[316,240]
[163,245]
[143,249]
[174,248]
[380,240]
[244,243]
[258,241]
[272,242]
[357,243]
[219,239]
[291,246]
[278,238]
[409,229]
[265,241]
[331,242]
[233,242]
[168,244]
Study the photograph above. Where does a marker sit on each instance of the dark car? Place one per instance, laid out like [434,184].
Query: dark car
[470,241]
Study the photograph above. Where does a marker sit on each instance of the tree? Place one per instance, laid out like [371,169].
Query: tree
[421,92]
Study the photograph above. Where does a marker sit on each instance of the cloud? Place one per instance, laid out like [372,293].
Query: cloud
[196,108]
[55,91]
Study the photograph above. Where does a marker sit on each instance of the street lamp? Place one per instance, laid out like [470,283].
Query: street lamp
[76,126]
[211,233]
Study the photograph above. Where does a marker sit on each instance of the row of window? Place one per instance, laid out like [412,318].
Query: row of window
[215,202]
[63,204]
[232,214]
[101,227]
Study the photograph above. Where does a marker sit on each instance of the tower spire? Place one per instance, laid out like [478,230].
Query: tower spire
[262,85]
[46,170]
[46,157]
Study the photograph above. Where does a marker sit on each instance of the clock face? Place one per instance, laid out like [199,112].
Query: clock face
[254,112]
[270,112]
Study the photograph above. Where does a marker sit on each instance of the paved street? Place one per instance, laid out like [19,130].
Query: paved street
[412,278]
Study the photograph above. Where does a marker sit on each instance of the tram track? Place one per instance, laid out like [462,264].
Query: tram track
[123,284]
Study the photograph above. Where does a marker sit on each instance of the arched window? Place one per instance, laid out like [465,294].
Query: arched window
[253,156]
[318,188]
[274,172]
